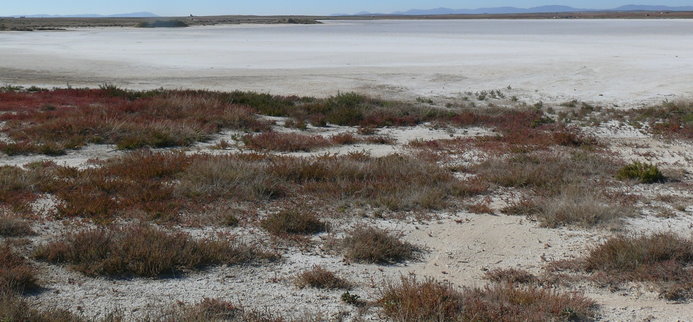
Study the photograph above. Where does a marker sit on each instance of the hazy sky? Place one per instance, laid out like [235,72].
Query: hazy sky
[268,7]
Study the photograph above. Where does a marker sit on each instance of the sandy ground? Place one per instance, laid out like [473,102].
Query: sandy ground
[622,62]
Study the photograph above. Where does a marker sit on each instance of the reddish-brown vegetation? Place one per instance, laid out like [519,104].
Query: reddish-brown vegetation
[285,142]
[664,259]
[293,222]
[373,245]
[15,308]
[319,277]
[428,300]
[16,275]
[215,310]
[144,251]
[51,121]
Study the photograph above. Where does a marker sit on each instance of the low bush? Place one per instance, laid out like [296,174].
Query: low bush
[510,275]
[428,300]
[16,275]
[319,277]
[11,226]
[643,172]
[18,188]
[293,222]
[664,259]
[670,119]
[162,186]
[546,172]
[50,122]
[344,139]
[143,251]
[580,206]
[394,182]
[376,246]
[285,142]
[209,309]
[14,308]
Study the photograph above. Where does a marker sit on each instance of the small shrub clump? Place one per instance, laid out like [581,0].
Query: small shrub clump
[319,277]
[665,259]
[293,222]
[211,309]
[376,246]
[643,172]
[14,227]
[143,251]
[428,300]
[16,275]
[510,275]
[578,205]
[285,142]
[15,308]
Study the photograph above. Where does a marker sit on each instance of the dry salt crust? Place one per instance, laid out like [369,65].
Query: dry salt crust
[620,62]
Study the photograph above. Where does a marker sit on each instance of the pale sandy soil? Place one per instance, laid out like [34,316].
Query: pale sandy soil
[621,62]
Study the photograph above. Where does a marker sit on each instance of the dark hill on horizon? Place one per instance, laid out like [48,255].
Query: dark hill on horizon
[515,10]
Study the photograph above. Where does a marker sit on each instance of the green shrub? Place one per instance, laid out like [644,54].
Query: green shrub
[643,172]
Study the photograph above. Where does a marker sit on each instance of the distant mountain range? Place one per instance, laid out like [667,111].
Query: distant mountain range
[514,10]
[120,15]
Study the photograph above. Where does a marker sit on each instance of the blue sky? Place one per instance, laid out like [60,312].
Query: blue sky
[268,7]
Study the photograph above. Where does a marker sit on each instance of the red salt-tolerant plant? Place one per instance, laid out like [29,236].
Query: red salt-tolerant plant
[285,142]
[429,300]
[16,275]
[52,121]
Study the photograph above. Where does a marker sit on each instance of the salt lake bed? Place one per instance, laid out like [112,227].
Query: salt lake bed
[623,62]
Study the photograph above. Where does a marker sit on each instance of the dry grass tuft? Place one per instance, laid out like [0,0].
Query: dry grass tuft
[510,275]
[319,277]
[643,172]
[16,275]
[215,310]
[144,251]
[580,206]
[546,171]
[428,300]
[14,308]
[412,300]
[293,222]
[10,226]
[285,142]
[664,259]
[376,246]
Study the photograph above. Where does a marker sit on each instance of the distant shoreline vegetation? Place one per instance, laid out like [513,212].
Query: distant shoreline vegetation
[162,24]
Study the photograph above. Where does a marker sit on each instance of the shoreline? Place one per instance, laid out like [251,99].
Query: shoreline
[49,23]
